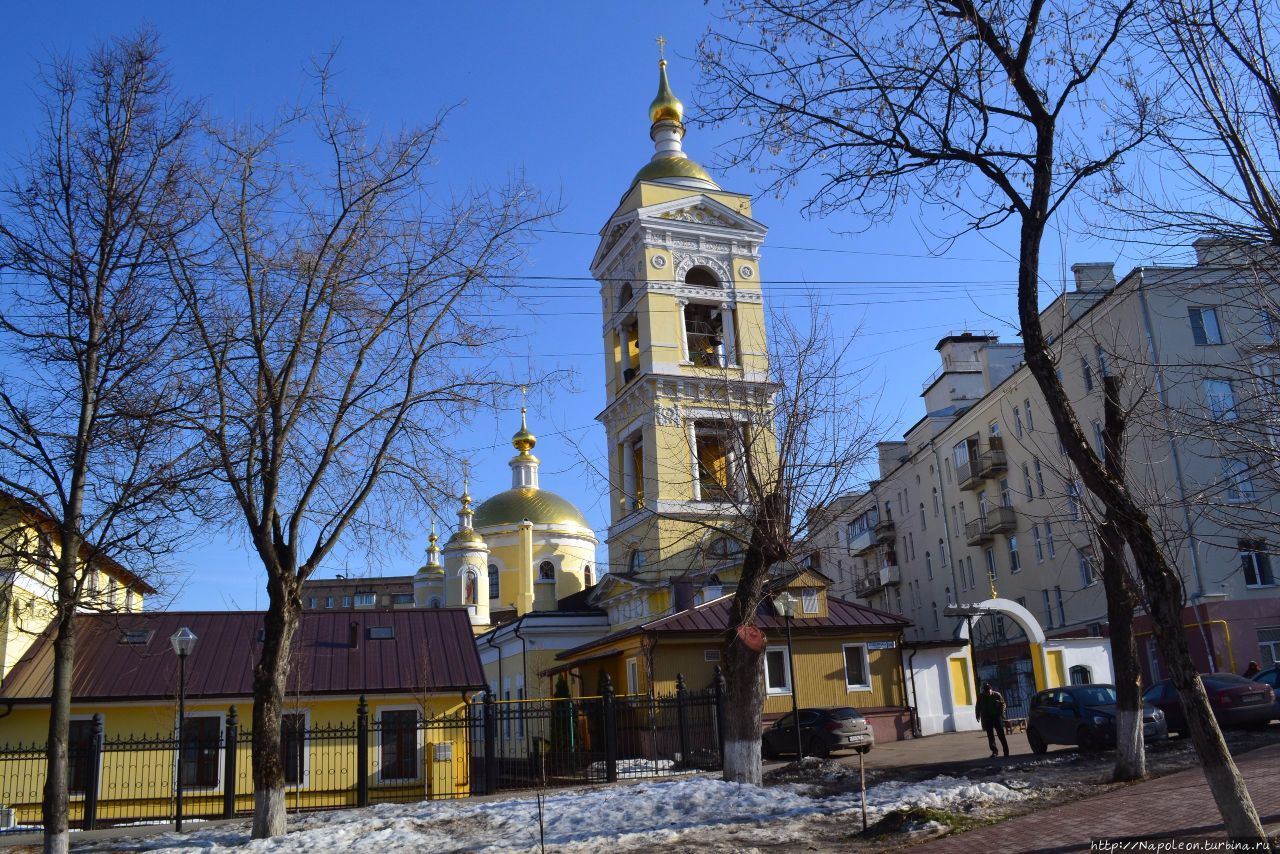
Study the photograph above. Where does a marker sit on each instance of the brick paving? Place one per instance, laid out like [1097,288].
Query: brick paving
[1176,805]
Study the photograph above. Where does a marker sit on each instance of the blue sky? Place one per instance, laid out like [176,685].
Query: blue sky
[558,92]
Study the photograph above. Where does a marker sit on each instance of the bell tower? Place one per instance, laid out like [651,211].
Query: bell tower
[685,354]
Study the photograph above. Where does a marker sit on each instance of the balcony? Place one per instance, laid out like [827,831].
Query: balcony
[999,520]
[969,474]
[864,542]
[875,580]
[993,461]
[884,530]
[890,574]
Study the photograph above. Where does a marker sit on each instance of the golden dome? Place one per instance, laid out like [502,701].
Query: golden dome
[523,439]
[666,106]
[465,536]
[524,502]
[673,167]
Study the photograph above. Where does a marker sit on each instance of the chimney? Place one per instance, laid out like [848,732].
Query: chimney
[1094,276]
[353,636]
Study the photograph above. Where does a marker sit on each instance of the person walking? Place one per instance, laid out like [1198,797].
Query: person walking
[990,711]
[1252,670]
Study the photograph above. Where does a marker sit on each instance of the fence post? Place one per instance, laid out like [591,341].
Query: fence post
[718,687]
[490,743]
[362,753]
[230,738]
[682,719]
[610,730]
[91,783]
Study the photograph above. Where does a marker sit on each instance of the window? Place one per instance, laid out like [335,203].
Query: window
[346,601]
[434,603]
[546,571]
[382,632]
[200,748]
[588,579]
[130,600]
[293,747]
[398,737]
[1048,539]
[470,596]
[777,673]
[809,600]
[1236,475]
[633,676]
[973,580]
[1039,477]
[701,277]
[328,601]
[935,615]
[635,561]
[1086,373]
[311,603]
[989,556]
[1269,646]
[1084,558]
[136,637]
[366,600]
[1048,609]
[1015,564]
[1062,611]
[1080,675]
[495,586]
[1100,440]
[1073,500]
[1101,356]
[713,458]
[936,504]
[624,295]
[857,673]
[1256,563]
[711,655]
[1006,495]
[401,598]
[928,565]
[1026,481]
[923,524]
[704,334]
[1039,546]
[994,428]
[1204,326]
[1017,422]
[79,754]
[946,464]
[1026,409]
[1220,399]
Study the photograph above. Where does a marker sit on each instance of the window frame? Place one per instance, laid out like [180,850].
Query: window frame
[1256,553]
[808,596]
[417,743]
[73,792]
[781,652]
[1200,330]
[850,687]
[218,761]
[304,753]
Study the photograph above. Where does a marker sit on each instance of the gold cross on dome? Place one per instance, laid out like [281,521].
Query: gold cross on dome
[662,45]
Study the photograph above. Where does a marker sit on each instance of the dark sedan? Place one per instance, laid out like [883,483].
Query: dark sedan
[821,732]
[1271,676]
[1083,715]
[1236,701]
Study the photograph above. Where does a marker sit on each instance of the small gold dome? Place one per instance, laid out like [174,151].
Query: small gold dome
[465,536]
[666,106]
[673,167]
[523,439]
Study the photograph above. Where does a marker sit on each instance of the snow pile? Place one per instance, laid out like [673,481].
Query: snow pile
[579,820]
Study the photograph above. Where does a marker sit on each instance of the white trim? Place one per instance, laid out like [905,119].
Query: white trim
[633,675]
[866,666]
[306,752]
[786,669]
[417,737]
[101,752]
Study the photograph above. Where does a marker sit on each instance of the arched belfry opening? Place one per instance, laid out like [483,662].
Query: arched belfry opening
[701,277]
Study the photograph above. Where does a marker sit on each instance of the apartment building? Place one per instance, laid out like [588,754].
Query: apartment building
[978,500]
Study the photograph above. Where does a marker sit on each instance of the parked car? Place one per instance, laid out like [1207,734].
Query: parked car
[1236,701]
[1083,715]
[1271,676]
[821,732]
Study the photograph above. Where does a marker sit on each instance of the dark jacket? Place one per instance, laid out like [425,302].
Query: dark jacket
[990,707]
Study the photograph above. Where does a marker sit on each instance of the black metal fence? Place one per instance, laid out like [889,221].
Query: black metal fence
[398,756]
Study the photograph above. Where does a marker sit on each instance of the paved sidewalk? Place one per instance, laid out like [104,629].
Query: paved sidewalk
[1176,805]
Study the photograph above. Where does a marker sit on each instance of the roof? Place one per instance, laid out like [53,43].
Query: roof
[539,506]
[712,618]
[432,651]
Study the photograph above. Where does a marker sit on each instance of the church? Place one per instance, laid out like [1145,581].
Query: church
[687,414]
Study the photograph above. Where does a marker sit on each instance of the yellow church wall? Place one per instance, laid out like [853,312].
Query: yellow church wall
[141,780]
[570,558]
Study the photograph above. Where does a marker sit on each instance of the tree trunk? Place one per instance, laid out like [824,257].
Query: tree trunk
[1131,755]
[743,666]
[57,782]
[269,680]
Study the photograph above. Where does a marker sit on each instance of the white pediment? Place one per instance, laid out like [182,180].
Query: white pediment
[704,211]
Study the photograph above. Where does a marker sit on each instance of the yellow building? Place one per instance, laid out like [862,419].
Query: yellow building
[415,668]
[28,551]
[520,551]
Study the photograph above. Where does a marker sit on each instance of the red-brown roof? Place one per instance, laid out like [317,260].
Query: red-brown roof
[713,618]
[432,651]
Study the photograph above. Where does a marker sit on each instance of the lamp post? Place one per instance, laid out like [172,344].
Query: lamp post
[785,604]
[183,642]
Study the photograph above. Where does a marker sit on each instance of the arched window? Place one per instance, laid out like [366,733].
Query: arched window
[1080,675]
[587,578]
[434,603]
[469,593]
[724,547]
[494,589]
[546,571]
[701,277]
[624,295]
[635,562]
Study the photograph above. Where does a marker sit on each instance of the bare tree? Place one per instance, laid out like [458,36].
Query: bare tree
[1003,110]
[333,324]
[91,451]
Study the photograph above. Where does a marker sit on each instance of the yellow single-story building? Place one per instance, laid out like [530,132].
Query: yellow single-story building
[845,654]
[391,685]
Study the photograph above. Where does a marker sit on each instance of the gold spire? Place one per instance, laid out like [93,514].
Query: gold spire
[466,496]
[433,539]
[666,106]
[523,440]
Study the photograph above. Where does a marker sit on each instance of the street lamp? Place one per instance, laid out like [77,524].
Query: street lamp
[183,642]
[785,604]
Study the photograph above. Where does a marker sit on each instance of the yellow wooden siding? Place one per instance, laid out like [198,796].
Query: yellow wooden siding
[961,684]
[140,782]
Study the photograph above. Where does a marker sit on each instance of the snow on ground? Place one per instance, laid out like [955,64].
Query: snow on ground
[575,820]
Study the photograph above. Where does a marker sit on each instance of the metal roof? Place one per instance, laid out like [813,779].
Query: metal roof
[432,651]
